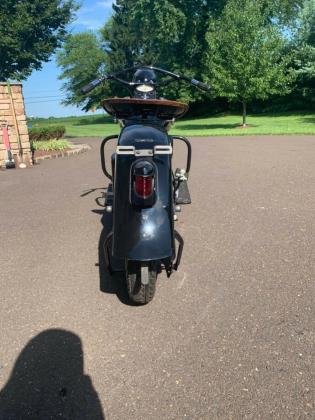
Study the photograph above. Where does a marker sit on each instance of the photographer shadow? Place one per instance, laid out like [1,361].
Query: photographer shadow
[48,381]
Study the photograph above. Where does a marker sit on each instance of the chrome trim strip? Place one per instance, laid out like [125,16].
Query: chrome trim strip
[157,150]
[125,150]
[163,150]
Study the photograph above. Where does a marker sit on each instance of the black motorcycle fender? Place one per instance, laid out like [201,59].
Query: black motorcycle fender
[143,234]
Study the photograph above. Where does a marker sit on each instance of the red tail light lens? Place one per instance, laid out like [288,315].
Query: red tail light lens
[143,191]
[144,185]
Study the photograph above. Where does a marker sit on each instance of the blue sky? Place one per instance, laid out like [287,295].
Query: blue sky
[42,90]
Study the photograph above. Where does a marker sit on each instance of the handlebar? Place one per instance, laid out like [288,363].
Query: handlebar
[173,76]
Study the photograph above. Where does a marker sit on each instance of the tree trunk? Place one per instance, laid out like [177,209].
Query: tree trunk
[244,113]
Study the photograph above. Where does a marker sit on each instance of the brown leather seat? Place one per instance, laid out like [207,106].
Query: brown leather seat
[124,108]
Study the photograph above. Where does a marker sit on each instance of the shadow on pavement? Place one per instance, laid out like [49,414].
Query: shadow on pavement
[114,283]
[48,381]
[308,119]
[227,126]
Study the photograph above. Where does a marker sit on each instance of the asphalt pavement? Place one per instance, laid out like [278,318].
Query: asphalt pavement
[229,336]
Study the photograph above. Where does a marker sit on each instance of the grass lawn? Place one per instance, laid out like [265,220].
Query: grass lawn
[221,125]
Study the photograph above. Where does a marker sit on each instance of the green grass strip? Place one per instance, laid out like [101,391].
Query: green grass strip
[222,125]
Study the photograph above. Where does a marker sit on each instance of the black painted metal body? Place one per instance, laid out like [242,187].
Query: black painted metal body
[143,234]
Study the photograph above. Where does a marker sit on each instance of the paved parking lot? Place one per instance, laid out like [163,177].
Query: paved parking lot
[229,336]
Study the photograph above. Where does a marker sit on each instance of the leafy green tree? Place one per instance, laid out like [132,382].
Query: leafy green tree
[186,56]
[304,52]
[30,31]
[305,23]
[141,31]
[120,41]
[167,33]
[245,58]
[170,33]
[81,60]
[283,10]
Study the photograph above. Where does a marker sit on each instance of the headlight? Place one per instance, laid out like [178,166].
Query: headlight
[144,88]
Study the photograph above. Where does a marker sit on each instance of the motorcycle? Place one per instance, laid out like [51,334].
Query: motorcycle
[144,194]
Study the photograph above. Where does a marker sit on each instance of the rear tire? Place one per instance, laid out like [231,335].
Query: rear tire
[139,293]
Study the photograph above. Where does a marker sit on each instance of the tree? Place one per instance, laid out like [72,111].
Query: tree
[143,32]
[245,58]
[167,33]
[82,59]
[170,33]
[139,32]
[30,31]
[304,52]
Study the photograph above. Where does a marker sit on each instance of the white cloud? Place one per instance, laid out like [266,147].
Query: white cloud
[93,15]
[105,4]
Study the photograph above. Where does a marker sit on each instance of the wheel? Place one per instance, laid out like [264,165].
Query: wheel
[138,292]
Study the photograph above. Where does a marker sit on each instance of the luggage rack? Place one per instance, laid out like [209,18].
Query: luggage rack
[157,150]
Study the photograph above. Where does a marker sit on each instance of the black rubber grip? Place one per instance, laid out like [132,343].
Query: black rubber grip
[201,85]
[91,85]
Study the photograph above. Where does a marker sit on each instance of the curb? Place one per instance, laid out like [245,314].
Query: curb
[76,149]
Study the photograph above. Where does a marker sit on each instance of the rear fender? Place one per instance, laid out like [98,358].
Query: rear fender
[143,234]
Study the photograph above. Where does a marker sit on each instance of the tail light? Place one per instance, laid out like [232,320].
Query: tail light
[143,183]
